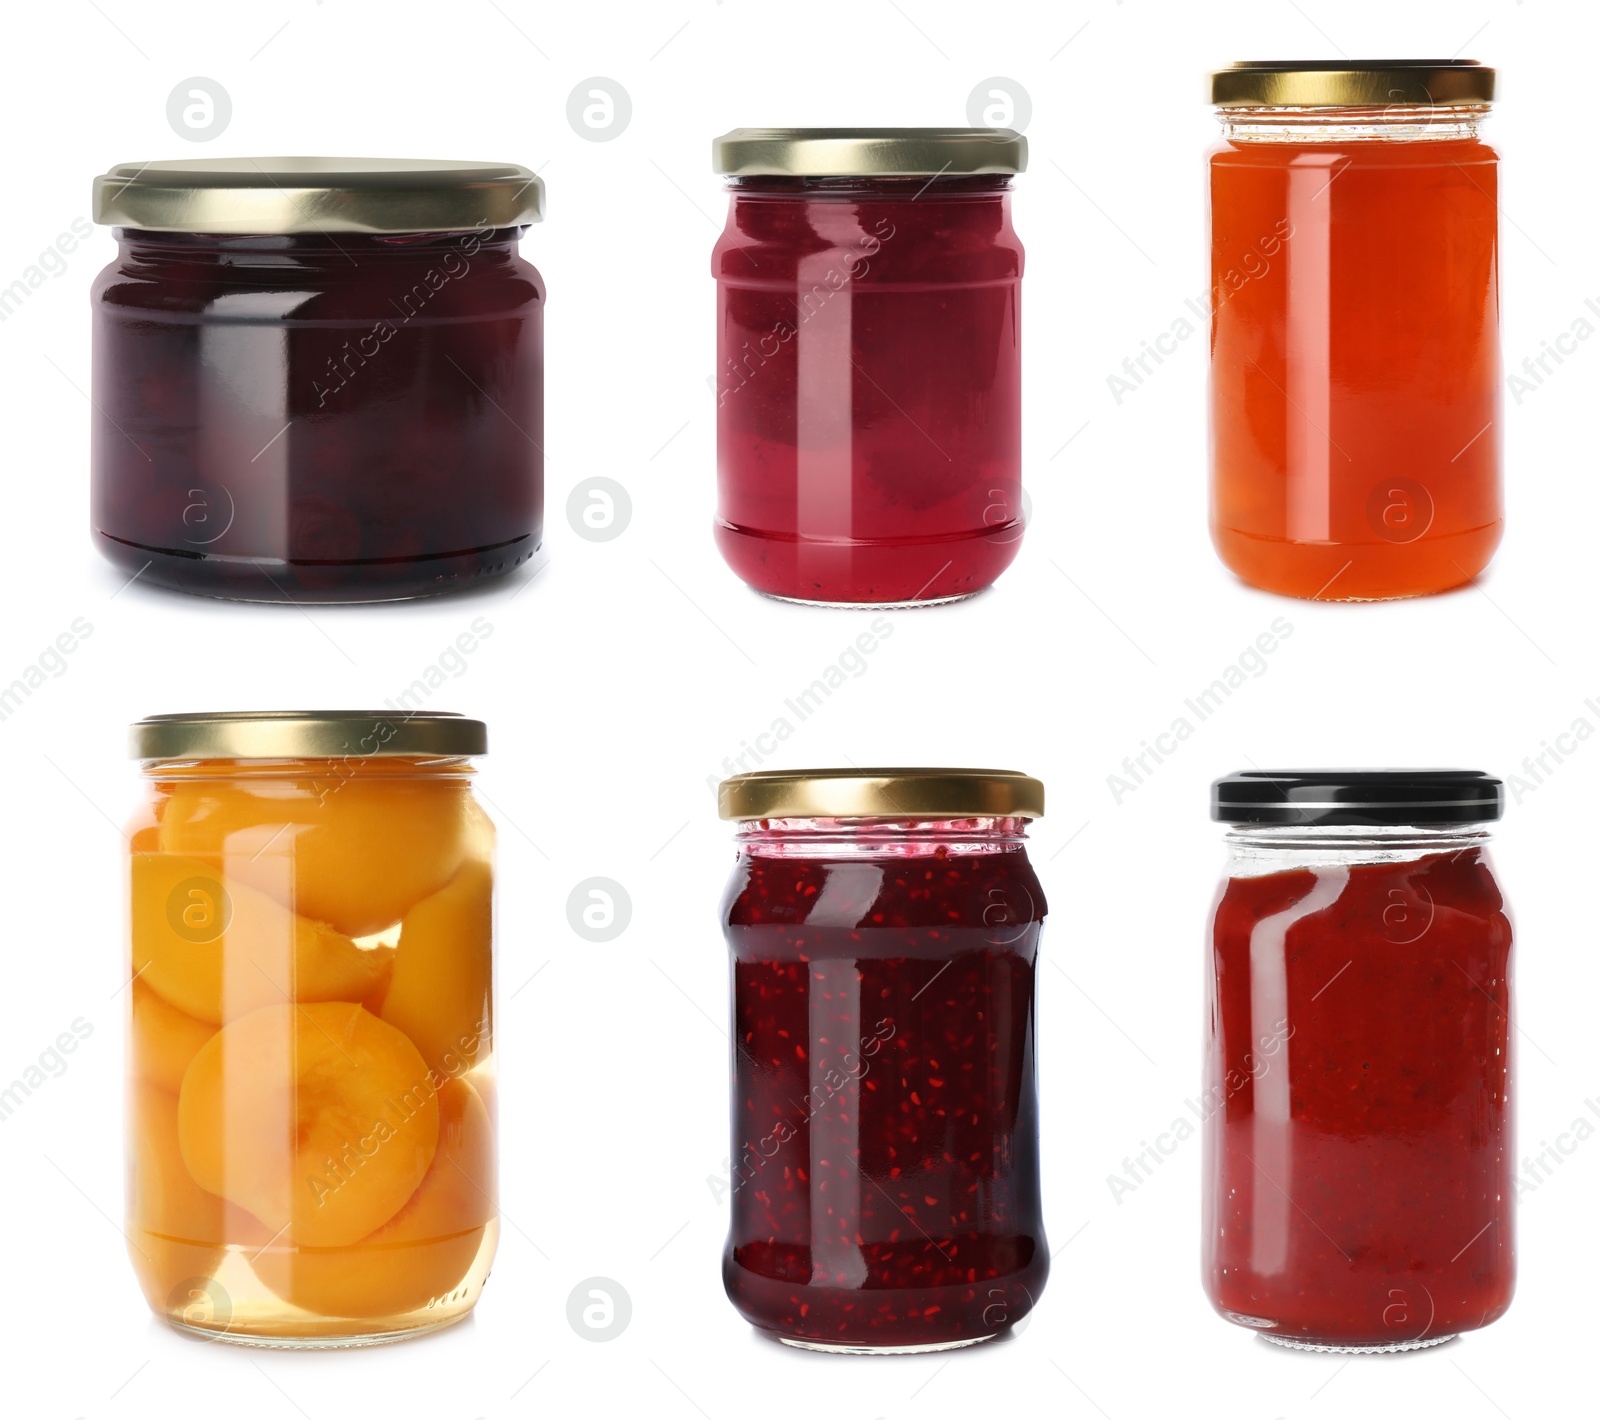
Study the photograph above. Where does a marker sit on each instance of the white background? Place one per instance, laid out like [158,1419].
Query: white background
[619,681]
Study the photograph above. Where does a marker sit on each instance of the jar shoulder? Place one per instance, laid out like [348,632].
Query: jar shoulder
[1360,153]
[450,285]
[865,894]
[771,239]
[1427,902]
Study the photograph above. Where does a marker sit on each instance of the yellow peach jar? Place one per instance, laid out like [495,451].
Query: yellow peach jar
[311,1107]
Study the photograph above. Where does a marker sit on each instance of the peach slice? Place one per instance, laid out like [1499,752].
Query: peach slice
[353,852]
[440,988]
[216,949]
[175,1228]
[163,1039]
[319,1119]
[425,1250]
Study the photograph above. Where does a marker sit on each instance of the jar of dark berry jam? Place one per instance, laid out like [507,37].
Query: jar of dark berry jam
[869,387]
[884,931]
[1358,1094]
[318,379]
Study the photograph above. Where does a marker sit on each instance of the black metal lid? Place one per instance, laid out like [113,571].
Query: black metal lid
[1378,797]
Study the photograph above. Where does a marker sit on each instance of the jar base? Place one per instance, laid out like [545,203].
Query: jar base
[314,1343]
[875,606]
[1292,1343]
[838,1350]
[874,574]
[279,581]
[1356,572]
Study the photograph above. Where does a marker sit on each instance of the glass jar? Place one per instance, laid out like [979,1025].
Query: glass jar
[311,1104]
[318,379]
[884,933]
[1355,337]
[869,388]
[1358,1095]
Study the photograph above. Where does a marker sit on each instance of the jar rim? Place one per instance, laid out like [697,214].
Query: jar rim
[1352,83]
[898,794]
[306,734]
[282,195]
[868,152]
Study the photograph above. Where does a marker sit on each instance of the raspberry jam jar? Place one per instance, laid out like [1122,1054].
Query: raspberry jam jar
[310,1103]
[884,933]
[317,379]
[1358,1171]
[1355,327]
[869,386]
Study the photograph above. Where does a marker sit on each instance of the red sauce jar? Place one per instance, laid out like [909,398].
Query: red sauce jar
[1358,1094]
[884,932]
[869,388]
[318,379]
[1355,332]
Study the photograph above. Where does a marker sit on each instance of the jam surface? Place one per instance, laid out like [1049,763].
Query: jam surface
[885,1168]
[1359,1129]
[869,387]
[1355,365]
[318,418]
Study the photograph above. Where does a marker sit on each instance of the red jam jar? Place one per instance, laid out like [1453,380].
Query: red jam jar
[1355,327]
[1358,1094]
[884,932]
[318,379]
[869,386]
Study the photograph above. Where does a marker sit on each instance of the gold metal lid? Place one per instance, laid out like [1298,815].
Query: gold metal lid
[277,196]
[1352,83]
[868,152]
[306,734]
[881,793]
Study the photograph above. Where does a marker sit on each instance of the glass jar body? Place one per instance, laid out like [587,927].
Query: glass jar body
[1359,1142]
[311,1102]
[885,1165]
[869,387]
[318,418]
[1355,351]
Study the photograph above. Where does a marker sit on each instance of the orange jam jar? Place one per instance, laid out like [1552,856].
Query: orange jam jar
[1355,327]
[311,1106]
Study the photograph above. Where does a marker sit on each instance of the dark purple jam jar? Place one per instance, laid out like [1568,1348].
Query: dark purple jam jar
[318,379]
